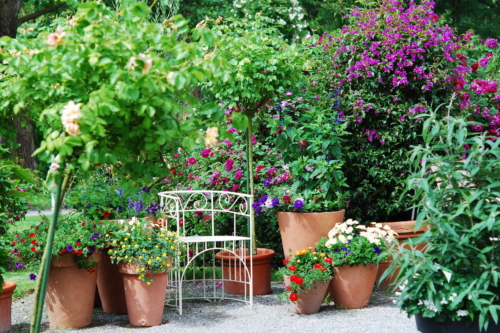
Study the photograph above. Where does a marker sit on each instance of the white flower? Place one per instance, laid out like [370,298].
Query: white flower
[342,239]
[132,63]
[73,21]
[70,115]
[462,313]
[386,227]
[349,237]
[269,202]
[452,297]
[349,230]
[444,301]
[378,225]
[361,227]
[54,166]
[469,297]
[211,136]
[282,22]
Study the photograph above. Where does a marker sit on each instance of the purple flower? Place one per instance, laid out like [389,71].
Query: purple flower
[377,250]
[88,205]
[69,248]
[298,204]
[32,277]
[491,42]
[238,174]
[310,167]
[267,182]
[119,191]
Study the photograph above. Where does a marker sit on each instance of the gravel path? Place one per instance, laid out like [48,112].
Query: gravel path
[267,315]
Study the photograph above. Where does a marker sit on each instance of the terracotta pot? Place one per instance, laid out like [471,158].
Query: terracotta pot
[351,287]
[405,231]
[301,230]
[145,303]
[111,289]
[70,293]
[310,299]
[6,305]
[233,269]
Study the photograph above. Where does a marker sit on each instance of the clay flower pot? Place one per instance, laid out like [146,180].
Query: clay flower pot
[405,231]
[351,287]
[70,292]
[302,230]
[310,299]
[6,305]
[233,269]
[145,303]
[111,289]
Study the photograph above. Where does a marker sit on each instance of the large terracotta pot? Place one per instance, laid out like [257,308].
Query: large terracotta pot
[310,299]
[111,289]
[430,325]
[145,303]
[302,230]
[352,287]
[233,269]
[405,231]
[70,292]
[6,305]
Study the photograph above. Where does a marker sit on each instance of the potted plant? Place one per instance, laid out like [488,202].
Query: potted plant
[76,252]
[307,275]
[452,285]
[144,253]
[311,201]
[356,251]
[260,64]
[13,206]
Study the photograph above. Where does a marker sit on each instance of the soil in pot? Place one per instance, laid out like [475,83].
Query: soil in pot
[145,303]
[302,230]
[6,305]
[233,269]
[352,287]
[70,293]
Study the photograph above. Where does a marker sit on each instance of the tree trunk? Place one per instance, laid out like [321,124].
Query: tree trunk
[25,138]
[9,12]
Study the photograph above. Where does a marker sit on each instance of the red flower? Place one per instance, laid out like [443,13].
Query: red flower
[434,17]
[78,244]
[474,66]
[259,168]
[299,280]
[91,271]
[293,268]
[14,243]
[33,242]
[293,297]
[83,224]
[173,171]
[285,261]
[293,278]
[323,269]
[329,260]
[106,214]
[288,288]
[37,228]
[318,265]
[63,250]
[33,249]
[80,251]
[22,240]
[302,143]
[287,199]
[32,235]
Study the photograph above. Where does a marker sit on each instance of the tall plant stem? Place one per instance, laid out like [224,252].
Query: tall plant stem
[250,181]
[43,274]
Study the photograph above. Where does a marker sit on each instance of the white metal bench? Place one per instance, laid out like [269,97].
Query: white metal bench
[200,275]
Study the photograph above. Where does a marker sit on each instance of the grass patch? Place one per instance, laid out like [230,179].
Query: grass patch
[22,278]
[19,226]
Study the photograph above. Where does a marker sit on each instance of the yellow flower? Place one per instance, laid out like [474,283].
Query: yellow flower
[157,258]
[118,258]
[149,238]
[161,235]
[315,258]
[322,255]
[136,246]
[150,261]
[126,257]
[297,253]
[298,261]
[211,136]
[140,257]
[114,242]
[314,253]
[172,247]
[310,248]
[107,235]
[148,283]
[156,246]
[164,254]
[144,250]
[126,238]
[112,257]
[121,242]
[142,269]
[168,265]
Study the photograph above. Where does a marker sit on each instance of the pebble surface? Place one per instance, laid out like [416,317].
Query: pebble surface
[268,314]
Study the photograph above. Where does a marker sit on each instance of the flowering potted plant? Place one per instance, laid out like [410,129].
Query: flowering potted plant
[356,251]
[307,275]
[452,285]
[144,253]
[76,252]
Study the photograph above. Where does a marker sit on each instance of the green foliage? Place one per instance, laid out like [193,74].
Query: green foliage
[352,244]
[456,276]
[150,247]
[305,268]
[4,262]
[122,85]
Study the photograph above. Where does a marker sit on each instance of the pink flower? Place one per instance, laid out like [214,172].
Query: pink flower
[288,93]
[205,153]
[190,176]
[232,130]
[229,164]
[235,188]
[254,141]
[56,38]
[166,180]
[191,161]
[299,99]
[238,175]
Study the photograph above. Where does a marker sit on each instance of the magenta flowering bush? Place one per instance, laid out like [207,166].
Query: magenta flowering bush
[391,64]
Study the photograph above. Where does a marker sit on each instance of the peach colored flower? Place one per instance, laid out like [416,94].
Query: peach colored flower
[211,136]
[56,38]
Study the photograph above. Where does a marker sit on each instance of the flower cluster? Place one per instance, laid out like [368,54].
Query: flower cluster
[70,115]
[150,246]
[351,243]
[304,269]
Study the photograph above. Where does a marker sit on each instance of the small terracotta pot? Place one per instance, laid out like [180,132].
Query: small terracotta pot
[352,287]
[145,303]
[405,231]
[6,305]
[233,269]
[111,289]
[70,293]
[302,230]
[310,299]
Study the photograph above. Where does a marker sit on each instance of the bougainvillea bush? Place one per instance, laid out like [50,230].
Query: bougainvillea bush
[390,64]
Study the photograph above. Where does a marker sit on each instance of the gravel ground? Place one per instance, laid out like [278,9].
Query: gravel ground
[268,314]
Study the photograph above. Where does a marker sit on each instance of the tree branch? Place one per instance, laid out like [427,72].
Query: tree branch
[39,13]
